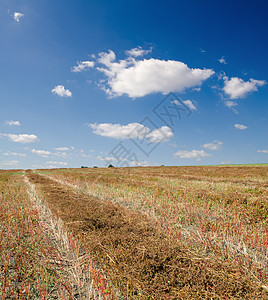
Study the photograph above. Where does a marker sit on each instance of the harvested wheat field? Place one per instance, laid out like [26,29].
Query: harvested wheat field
[135,233]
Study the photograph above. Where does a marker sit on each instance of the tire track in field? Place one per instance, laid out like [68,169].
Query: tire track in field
[71,260]
[137,255]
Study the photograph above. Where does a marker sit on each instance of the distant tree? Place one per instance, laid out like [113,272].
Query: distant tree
[162,166]
[95,167]
[110,166]
[84,167]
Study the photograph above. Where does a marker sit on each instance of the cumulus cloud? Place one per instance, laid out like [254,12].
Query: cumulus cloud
[137,78]
[42,153]
[61,91]
[17,16]
[238,88]
[138,51]
[82,66]
[132,130]
[240,126]
[163,134]
[13,123]
[262,151]
[188,103]
[197,154]
[14,154]
[216,145]
[22,138]
[222,60]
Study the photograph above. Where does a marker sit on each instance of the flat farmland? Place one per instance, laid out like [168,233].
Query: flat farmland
[135,233]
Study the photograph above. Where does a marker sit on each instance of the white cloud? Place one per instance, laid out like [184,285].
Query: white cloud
[139,163]
[238,88]
[188,103]
[14,154]
[17,16]
[46,153]
[9,163]
[135,52]
[61,91]
[216,145]
[132,130]
[227,162]
[13,123]
[107,159]
[240,126]
[137,78]
[202,50]
[230,104]
[22,138]
[163,134]
[198,154]
[62,149]
[222,60]
[118,131]
[60,154]
[42,153]
[82,65]
[262,151]
[57,163]
[107,58]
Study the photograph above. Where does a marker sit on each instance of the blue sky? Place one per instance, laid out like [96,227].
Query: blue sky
[133,83]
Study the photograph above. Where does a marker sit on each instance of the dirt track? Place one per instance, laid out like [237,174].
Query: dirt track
[134,252]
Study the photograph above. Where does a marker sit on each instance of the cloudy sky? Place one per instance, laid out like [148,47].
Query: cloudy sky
[133,83]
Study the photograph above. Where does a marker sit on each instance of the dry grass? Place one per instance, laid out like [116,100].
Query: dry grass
[39,259]
[143,258]
[220,217]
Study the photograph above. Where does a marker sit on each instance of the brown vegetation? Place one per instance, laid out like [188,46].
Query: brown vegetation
[139,256]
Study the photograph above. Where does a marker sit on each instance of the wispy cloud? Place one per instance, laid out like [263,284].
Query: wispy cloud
[240,126]
[47,153]
[197,154]
[216,145]
[222,60]
[62,149]
[14,154]
[263,151]
[17,16]
[82,66]
[10,163]
[61,91]
[13,123]
[188,103]
[139,163]
[42,153]
[57,163]
[230,104]
[138,51]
